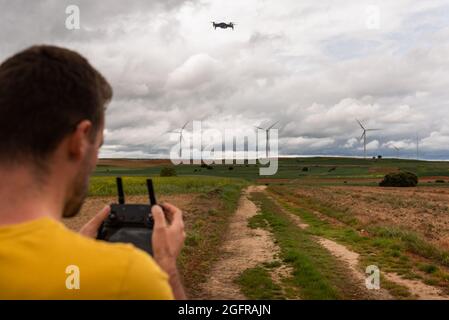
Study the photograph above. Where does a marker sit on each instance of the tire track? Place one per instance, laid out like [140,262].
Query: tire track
[243,248]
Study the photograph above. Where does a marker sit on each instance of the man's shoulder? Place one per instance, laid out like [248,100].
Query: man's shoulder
[134,272]
[56,254]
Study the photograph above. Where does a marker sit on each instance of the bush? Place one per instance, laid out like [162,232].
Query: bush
[168,172]
[400,179]
[428,268]
[207,166]
[305,169]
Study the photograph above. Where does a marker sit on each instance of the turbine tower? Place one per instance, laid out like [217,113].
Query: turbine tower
[181,137]
[397,151]
[417,146]
[267,132]
[365,130]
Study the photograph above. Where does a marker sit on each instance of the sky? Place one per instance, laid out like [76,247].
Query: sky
[314,66]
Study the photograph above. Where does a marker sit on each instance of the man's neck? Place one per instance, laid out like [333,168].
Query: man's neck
[23,199]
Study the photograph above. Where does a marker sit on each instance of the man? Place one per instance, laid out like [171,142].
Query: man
[52,104]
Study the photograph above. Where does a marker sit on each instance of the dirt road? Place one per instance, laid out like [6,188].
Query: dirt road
[245,248]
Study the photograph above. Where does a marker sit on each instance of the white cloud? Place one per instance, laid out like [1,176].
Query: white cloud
[300,144]
[400,144]
[372,145]
[197,70]
[435,141]
[350,143]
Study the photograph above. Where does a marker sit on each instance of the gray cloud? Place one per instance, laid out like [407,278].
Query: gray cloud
[315,67]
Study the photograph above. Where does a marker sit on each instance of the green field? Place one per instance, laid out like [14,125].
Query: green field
[136,185]
[293,168]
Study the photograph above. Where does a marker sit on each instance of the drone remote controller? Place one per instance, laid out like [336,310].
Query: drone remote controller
[130,223]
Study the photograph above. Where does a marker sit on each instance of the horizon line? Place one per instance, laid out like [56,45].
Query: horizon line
[280,157]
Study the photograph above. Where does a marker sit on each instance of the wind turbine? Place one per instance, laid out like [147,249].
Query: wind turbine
[365,130]
[201,134]
[267,132]
[181,137]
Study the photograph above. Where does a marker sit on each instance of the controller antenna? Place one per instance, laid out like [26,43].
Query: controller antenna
[121,195]
[151,192]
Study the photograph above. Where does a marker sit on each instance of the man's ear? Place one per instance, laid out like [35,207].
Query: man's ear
[80,139]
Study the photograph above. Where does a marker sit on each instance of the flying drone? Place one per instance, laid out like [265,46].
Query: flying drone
[223,25]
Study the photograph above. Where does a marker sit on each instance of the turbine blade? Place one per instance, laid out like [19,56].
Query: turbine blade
[273,125]
[360,124]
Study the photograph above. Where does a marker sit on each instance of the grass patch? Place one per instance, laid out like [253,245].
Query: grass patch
[316,273]
[413,243]
[313,204]
[257,284]
[395,289]
[428,268]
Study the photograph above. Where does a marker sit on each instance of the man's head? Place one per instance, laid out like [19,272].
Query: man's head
[52,104]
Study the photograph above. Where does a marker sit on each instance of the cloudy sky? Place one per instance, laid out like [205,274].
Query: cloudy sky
[315,66]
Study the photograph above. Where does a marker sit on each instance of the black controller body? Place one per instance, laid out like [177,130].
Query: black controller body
[129,223]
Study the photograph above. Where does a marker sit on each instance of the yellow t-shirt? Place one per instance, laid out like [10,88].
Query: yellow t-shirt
[42,259]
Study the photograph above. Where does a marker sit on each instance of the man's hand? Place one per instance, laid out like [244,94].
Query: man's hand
[168,240]
[90,229]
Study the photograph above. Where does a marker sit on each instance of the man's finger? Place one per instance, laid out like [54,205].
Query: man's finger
[100,217]
[173,213]
[158,217]
[90,229]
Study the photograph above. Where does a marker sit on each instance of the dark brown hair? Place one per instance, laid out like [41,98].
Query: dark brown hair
[45,91]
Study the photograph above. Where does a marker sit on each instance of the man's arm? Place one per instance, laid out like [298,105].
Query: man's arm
[168,240]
